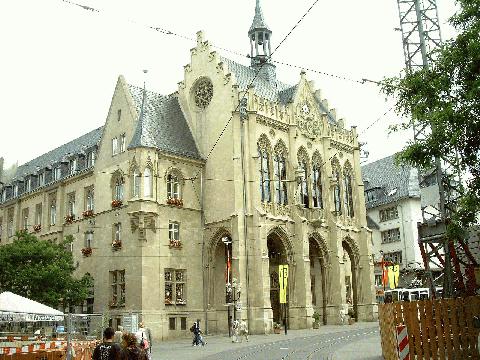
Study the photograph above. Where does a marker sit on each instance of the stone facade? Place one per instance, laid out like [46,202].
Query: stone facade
[230,155]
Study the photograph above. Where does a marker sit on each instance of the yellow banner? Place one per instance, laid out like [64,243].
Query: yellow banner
[393,275]
[283,281]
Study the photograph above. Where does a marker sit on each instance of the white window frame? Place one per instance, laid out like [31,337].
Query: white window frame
[41,179]
[71,204]
[15,190]
[38,214]
[53,213]
[117,232]
[28,185]
[147,183]
[173,187]
[174,231]
[114,146]
[135,184]
[88,239]
[123,140]
[89,199]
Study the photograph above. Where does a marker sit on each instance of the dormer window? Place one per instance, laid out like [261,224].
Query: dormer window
[41,179]
[15,190]
[91,157]
[57,173]
[28,185]
[72,166]
[4,195]
[371,195]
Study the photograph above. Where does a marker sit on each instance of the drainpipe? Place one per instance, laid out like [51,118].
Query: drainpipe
[202,221]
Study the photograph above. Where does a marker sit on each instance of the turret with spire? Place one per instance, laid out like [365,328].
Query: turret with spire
[260,37]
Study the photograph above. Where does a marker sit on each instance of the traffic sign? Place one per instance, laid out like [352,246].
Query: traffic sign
[283,281]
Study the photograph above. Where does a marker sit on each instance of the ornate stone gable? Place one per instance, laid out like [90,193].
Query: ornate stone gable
[307,115]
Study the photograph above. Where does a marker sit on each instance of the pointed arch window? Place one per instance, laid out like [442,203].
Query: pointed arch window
[135,184]
[317,189]
[147,182]
[337,196]
[280,174]
[347,186]
[173,187]
[264,175]
[304,196]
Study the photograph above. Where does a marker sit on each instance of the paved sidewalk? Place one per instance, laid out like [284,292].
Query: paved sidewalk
[182,348]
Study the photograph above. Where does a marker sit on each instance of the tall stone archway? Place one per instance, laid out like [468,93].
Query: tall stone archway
[278,254]
[219,262]
[319,260]
[351,260]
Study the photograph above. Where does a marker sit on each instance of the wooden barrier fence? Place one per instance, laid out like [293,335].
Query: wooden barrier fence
[83,351]
[437,329]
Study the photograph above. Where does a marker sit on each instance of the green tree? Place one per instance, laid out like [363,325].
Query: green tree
[445,98]
[41,270]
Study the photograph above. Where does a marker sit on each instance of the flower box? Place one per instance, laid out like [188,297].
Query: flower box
[117,244]
[87,251]
[116,203]
[175,244]
[175,201]
[69,219]
[87,213]
[37,227]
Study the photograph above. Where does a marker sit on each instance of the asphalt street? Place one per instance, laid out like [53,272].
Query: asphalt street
[359,341]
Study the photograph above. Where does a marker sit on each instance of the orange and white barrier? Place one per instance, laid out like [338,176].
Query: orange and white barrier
[402,343]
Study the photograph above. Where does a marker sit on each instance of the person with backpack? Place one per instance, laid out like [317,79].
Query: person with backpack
[197,339]
[107,350]
[131,350]
[144,338]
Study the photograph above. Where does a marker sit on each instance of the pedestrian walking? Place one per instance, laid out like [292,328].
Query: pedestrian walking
[144,338]
[197,332]
[107,350]
[131,350]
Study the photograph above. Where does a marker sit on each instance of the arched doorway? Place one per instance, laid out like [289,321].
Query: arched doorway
[220,272]
[350,259]
[318,278]
[277,255]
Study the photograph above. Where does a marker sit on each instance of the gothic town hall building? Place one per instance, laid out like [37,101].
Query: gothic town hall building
[172,230]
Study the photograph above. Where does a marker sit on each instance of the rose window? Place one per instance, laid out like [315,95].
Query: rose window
[203,93]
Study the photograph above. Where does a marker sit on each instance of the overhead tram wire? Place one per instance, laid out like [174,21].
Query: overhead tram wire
[165,31]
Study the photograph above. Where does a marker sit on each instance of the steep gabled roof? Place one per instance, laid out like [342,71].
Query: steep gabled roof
[161,124]
[73,147]
[391,182]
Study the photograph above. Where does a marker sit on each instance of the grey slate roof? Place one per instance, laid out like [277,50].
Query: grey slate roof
[76,146]
[161,124]
[270,90]
[258,20]
[389,182]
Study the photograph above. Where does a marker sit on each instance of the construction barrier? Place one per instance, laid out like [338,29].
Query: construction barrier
[402,343]
[437,329]
[48,351]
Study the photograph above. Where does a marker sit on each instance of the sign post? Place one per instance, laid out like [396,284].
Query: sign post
[283,281]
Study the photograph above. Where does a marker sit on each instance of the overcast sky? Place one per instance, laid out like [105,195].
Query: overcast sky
[59,63]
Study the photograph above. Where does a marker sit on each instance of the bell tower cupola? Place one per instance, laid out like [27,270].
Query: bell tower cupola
[260,37]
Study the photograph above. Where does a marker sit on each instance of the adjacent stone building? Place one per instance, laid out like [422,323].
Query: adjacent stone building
[177,197]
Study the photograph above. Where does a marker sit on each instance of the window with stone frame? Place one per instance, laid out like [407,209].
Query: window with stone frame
[88,243]
[57,173]
[117,288]
[304,194]
[280,177]
[15,190]
[118,187]
[394,257]
[135,184]
[38,214]
[390,213]
[25,219]
[117,232]
[123,145]
[378,280]
[174,233]
[52,209]
[147,182]
[348,191]
[28,185]
[337,195]
[90,300]
[71,204]
[264,175]
[114,146]
[89,198]
[391,235]
[173,186]
[10,227]
[175,287]
[317,188]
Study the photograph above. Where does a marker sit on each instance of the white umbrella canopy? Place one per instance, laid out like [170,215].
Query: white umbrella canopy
[18,308]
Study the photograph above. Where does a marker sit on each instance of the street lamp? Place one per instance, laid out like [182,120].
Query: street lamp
[227,240]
